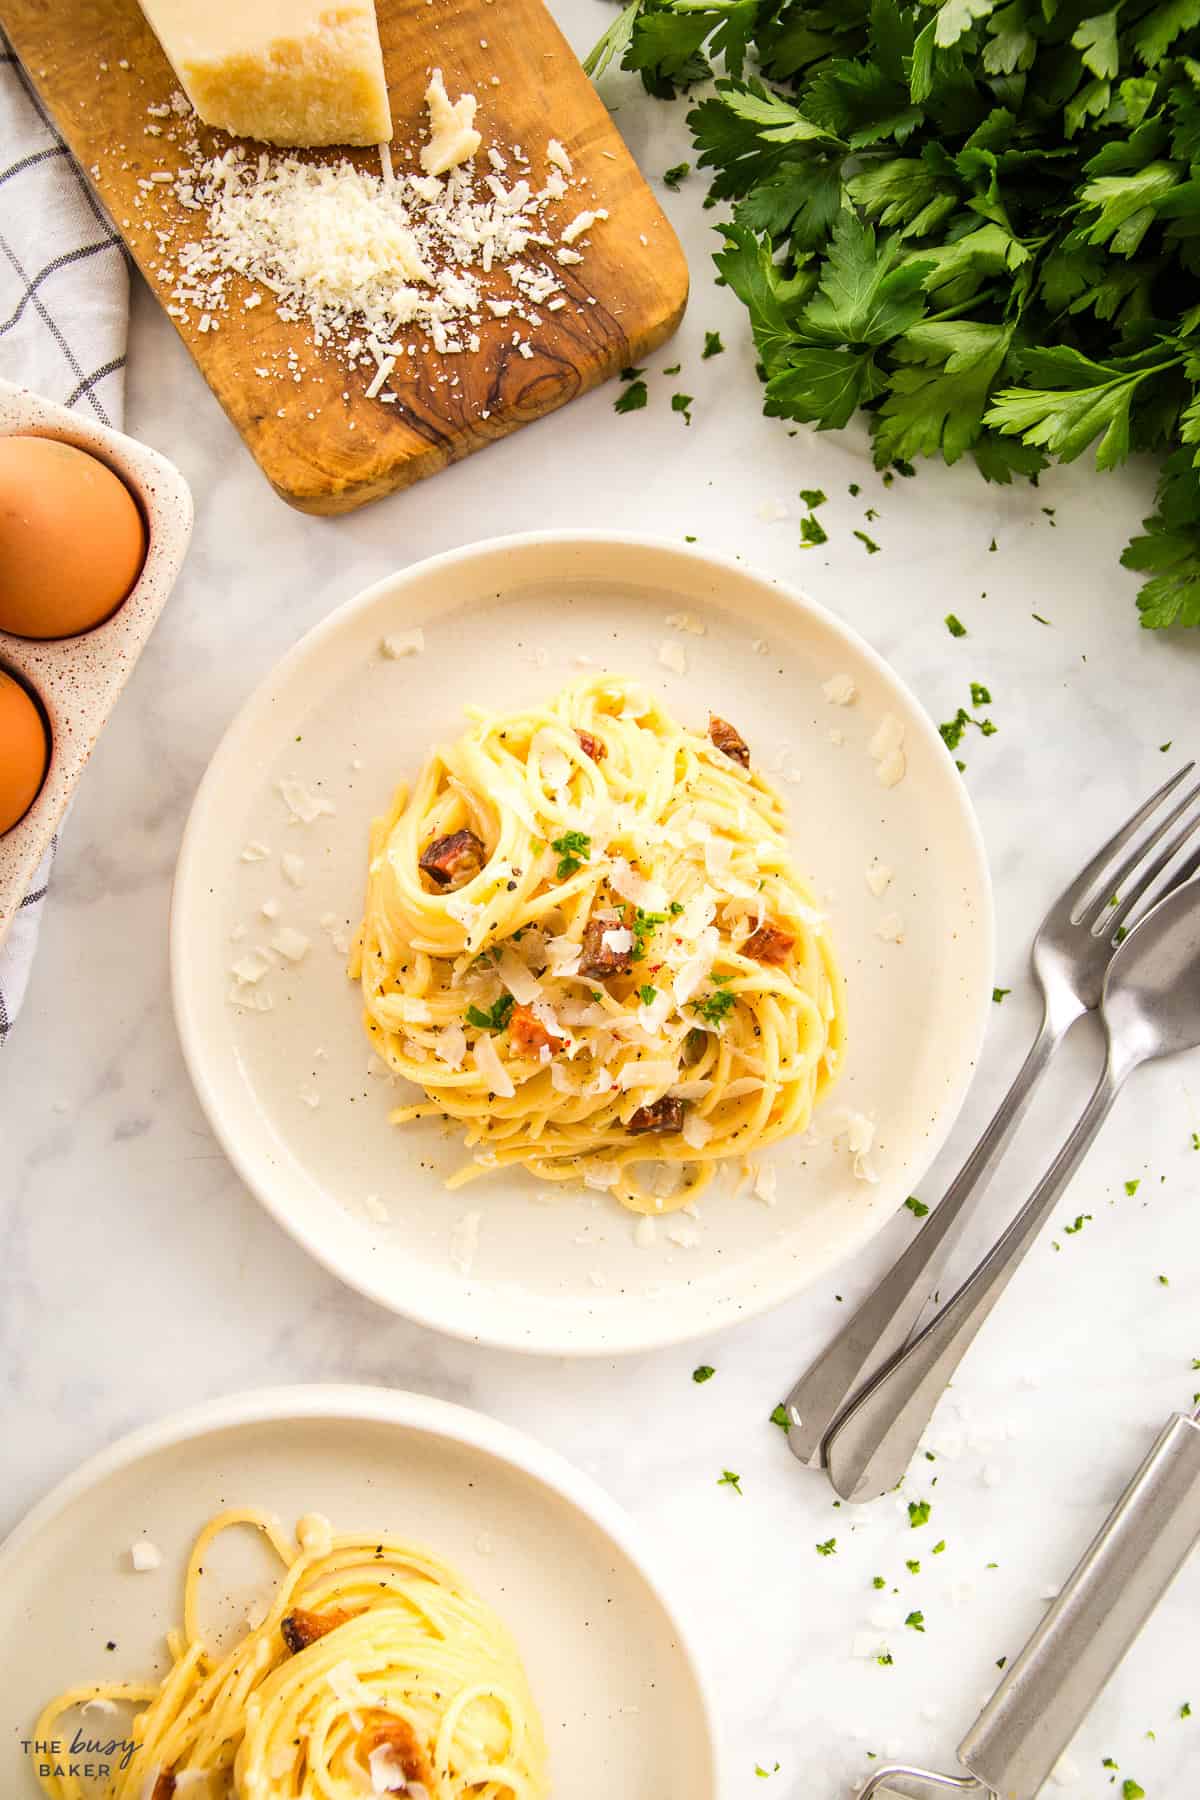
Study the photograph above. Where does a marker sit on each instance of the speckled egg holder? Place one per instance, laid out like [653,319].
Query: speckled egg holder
[77,680]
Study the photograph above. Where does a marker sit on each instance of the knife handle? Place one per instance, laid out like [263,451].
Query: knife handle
[1050,1688]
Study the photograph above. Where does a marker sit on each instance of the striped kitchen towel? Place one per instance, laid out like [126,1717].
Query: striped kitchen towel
[64,318]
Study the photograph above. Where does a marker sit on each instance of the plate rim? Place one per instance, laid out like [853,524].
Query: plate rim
[276,677]
[401,1407]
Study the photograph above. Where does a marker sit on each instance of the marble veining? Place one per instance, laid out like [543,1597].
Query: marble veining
[136,1274]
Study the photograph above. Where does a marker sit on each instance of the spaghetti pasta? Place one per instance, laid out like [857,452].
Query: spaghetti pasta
[584,938]
[375,1671]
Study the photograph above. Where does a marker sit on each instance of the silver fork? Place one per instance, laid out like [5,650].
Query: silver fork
[1071,954]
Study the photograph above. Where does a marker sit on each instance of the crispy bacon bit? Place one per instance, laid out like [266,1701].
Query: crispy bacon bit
[729,741]
[597,957]
[769,944]
[451,861]
[665,1115]
[398,1736]
[300,1628]
[591,746]
[164,1787]
[529,1035]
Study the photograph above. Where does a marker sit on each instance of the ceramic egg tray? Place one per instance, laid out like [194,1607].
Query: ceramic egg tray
[76,680]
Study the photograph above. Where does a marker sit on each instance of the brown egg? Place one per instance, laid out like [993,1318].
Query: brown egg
[72,541]
[24,752]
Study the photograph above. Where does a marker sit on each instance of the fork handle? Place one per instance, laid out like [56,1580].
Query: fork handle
[879,1329]
[870,1449]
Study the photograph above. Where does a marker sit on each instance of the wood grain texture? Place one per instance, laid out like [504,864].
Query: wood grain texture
[626,297]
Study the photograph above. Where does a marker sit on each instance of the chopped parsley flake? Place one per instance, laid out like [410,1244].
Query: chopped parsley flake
[955,626]
[914,1568]
[885,1660]
[729,1479]
[879,1582]
[812,498]
[574,848]
[779,1417]
[915,1621]
[632,398]
[854,490]
[918,1513]
[828,1548]
[704,1373]
[872,547]
[495,1019]
[766,1773]
[712,345]
[999,995]
[1185,1711]
[1131,1187]
[812,532]
[980,696]
[682,403]
[916,1207]
[674,369]
[644,926]
[939,1546]
[675,908]
[714,1009]
[1081,1219]
[675,174]
[1131,1790]
[1164,1281]
[647,995]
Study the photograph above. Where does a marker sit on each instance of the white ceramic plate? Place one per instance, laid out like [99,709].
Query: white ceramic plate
[624,1705]
[291,1093]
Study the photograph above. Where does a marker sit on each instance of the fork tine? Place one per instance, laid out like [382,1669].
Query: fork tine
[1134,862]
[1082,889]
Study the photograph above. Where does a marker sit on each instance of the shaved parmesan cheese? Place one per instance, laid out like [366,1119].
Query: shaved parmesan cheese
[878,877]
[857,1129]
[556,154]
[561,1079]
[644,1232]
[652,1018]
[464,1242]
[839,690]
[453,138]
[517,977]
[451,1046]
[646,1074]
[580,223]
[766,1180]
[249,969]
[889,735]
[487,1061]
[101,1704]
[403,643]
[617,940]
[602,1175]
[145,1556]
[673,656]
[255,852]
[686,1236]
[413,1010]
[464,912]
[304,805]
[347,1689]
[890,928]
[564,955]
[696,1131]
[555,764]
[691,1090]
[742,1085]
[293,869]
[627,884]
[600,1083]
[697,968]
[681,621]
[891,768]
[292,945]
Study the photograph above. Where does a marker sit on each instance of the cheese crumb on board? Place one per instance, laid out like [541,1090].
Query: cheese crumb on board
[292,72]
[453,138]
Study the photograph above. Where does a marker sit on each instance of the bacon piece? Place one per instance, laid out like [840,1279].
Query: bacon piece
[665,1115]
[451,861]
[598,958]
[398,1736]
[591,746]
[300,1629]
[164,1787]
[729,741]
[529,1035]
[769,944]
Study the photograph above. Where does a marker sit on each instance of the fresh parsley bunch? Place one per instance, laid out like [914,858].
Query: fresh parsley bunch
[978,220]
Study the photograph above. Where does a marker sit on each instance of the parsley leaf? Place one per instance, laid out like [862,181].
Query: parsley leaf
[682,403]
[645,924]
[916,1207]
[647,994]
[496,1017]
[714,1009]
[675,174]
[812,532]
[574,848]
[918,1513]
[704,1373]
[631,398]
[729,1479]
[828,1548]
[712,345]
[779,1417]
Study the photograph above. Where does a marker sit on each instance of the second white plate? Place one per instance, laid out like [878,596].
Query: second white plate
[301,1106]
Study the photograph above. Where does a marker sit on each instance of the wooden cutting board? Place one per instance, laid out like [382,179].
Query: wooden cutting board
[98,67]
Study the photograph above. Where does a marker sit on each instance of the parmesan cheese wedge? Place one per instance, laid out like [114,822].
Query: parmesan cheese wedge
[283,71]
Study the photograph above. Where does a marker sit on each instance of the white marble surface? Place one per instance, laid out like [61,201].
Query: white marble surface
[136,1274]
